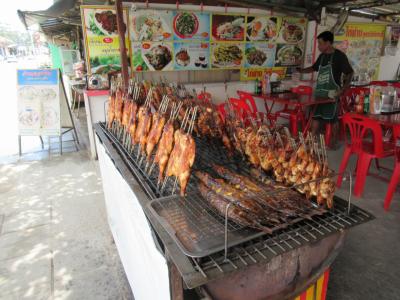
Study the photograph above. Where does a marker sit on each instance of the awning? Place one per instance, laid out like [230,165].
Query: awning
[64,15]
[59,18]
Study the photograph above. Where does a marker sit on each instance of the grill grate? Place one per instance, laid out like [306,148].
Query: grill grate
[246,246]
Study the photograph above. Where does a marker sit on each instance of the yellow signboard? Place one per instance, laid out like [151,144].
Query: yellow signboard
[253,74]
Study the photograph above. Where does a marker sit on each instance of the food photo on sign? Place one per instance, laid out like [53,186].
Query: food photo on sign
[101,22]
[228,27]
[152,56]
[259,55]
[261,28]
[151,25]
[227,55]
[191,26]
[288,55]
[191,56]
[292,31]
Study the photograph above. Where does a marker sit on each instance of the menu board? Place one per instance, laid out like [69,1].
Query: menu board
[165,40]
[38,102]
[101,38]
[362,44]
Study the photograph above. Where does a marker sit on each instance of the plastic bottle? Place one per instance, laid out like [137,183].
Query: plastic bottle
[256,87]
[259,89]
[360,104]
[267,84]
[366,104]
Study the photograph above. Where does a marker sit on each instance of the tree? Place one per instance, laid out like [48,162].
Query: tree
[19,37]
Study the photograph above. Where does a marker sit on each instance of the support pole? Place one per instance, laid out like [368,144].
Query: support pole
[122,47]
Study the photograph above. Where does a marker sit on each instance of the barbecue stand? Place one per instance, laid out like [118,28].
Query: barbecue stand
[256,265]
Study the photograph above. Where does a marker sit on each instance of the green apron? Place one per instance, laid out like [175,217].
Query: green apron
[325,83]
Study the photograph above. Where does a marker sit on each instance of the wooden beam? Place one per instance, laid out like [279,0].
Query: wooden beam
[122,47]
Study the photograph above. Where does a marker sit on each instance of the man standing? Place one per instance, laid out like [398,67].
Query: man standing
[334,77]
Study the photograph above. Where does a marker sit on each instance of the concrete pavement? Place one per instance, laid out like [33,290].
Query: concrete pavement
[55,242]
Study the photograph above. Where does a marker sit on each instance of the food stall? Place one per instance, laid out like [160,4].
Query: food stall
[201,201]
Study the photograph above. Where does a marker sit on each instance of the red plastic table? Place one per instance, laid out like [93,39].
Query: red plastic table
[296,101]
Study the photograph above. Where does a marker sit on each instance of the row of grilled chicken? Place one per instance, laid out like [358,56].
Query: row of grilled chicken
[149,130]
[290,164]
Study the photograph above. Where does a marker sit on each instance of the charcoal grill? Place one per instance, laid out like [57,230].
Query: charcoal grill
[200,255]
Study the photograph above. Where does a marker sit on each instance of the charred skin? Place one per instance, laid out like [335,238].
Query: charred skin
[219,203]
[229,192]
[164,149]
[239,181]
[155,133]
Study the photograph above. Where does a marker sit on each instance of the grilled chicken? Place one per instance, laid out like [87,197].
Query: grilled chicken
[155,133]
[164,149]
[111,110]
[182,158]
[133,121]
[143,126]
[118,106]
[126,113]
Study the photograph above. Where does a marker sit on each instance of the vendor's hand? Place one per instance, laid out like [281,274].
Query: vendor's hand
[340,92]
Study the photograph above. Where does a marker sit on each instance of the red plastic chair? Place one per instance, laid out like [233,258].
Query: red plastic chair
[295,115]
[242,109]
[394,181]
[259,116]
[221,108]
[359,127]
[249,99]
[204,97]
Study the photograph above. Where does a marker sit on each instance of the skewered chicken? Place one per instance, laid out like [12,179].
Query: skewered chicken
[143,126]
[252,143]
[111,109]
[133,121]
[182,158]
[164,149]
[155,133]
[118,106]
[126,113]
